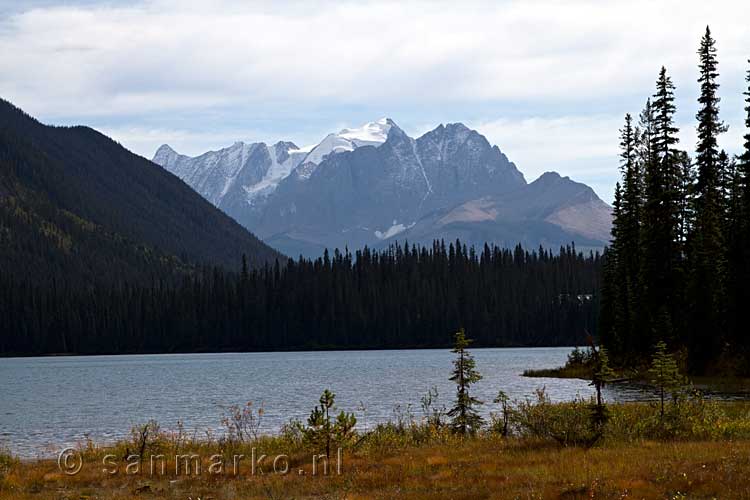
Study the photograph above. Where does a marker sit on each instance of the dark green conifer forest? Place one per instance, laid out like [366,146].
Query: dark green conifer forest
[401,297]
[677,269]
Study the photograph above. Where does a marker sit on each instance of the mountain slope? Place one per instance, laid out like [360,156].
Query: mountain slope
[83,201]
[552,211]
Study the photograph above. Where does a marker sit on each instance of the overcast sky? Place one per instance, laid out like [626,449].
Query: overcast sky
[548,82]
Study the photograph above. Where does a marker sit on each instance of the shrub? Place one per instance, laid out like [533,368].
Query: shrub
[500,423]
[568,424]
[144,438]
[242,423]
[433,413]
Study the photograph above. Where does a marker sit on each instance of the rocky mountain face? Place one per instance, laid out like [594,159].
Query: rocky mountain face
[375,184]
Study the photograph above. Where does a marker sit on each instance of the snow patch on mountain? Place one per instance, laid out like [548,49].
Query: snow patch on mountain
[332,143]
[372,133]
[285,157]
[392,231]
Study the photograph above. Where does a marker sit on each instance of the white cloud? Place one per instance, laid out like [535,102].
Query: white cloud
[541,144]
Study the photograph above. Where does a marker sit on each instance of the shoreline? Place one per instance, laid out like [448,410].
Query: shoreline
[413,460]
[445,347]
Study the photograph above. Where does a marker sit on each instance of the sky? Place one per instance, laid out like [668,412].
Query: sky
[548,82]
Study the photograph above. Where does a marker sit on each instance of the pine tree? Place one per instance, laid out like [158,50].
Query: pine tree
[739,246]
[465,418]
[709,125]
[609,302]
[612,320]
[707,258]
[322,430]
[661,255]
[319,429]
[602,372]
[504,400]
[665,374]
[629,248]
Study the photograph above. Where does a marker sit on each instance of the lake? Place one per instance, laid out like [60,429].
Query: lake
[52,402]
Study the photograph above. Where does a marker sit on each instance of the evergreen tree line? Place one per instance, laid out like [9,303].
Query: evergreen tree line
[677,268]
[405,296]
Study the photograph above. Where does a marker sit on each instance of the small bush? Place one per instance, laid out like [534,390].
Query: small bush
[144,439]
[568,424]
[242,423]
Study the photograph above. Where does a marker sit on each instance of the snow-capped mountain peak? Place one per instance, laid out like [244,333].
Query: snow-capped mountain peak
[348,139]
[370,133]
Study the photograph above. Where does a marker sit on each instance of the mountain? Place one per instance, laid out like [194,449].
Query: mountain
[374,184]
[551,211]
[76,205]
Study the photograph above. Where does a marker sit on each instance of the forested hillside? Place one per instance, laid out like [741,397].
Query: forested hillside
[77,207]
[402,297]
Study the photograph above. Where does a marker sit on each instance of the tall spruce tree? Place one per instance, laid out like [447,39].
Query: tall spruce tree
[707,257]
[630,232]
[612,320]
[739,247]
[620,301]
[660,272]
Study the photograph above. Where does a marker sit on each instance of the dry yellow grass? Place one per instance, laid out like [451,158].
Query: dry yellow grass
[486,467]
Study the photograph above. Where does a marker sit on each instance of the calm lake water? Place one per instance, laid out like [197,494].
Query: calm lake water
[49,403]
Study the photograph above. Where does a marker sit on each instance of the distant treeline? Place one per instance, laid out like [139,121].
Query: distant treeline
[405,296]
[678,268]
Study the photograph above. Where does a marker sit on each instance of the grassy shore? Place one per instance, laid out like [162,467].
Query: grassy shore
[474,468]
[697,449]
